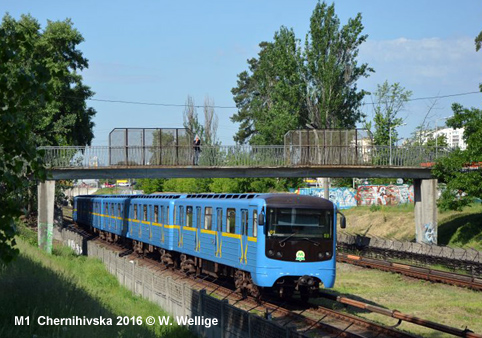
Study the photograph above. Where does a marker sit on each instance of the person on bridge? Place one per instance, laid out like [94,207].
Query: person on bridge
[197,150]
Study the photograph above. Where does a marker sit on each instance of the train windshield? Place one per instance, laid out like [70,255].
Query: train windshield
[293,222]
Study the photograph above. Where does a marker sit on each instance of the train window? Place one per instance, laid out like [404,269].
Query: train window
[166,215]
[106,208]
[219,217]
[208,218]
[244,222]
[231,221]
[198,218]
[156,214]
[119,210]
[145,213]
[135,211]
[174,218]
[189,216]
[255,223]
[112,209]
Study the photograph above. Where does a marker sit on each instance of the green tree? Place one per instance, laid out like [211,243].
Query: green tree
[191,121]
[463,185]
[187,185]
[22,81]
[210,123]
[43,103]
[440,141]
[389,101]
[150,186]
[332,69]
[287,87]
[271,96]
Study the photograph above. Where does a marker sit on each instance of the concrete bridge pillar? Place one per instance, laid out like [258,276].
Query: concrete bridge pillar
[46,199]
[425,195]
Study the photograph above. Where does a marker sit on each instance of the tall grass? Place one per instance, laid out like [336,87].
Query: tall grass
[64,285]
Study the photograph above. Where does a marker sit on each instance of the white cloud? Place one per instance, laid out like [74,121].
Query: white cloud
[429,61]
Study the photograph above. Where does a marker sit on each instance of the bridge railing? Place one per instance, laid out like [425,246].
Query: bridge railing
[239,156]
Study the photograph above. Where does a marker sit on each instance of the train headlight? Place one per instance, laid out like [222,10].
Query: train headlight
[279,254]
[328,254]
[321,255]
[270,253]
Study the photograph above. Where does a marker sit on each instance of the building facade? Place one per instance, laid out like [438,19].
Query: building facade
[454,137]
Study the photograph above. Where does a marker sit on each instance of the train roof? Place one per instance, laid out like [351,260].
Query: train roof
[280,200]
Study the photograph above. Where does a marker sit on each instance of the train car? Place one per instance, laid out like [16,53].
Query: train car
[277,242]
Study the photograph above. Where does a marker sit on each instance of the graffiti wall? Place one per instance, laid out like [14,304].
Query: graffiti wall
[365,195]
[343,197]
[384,194]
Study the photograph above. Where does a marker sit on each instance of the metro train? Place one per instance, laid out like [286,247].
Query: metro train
[265,242]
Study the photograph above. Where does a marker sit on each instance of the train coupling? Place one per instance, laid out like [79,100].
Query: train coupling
[305,280]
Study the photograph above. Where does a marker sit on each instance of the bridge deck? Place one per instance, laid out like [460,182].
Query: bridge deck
[239,161]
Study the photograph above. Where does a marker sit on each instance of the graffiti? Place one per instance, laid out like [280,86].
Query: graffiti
[343,197]
[74,246]
[430,233]
[384,194]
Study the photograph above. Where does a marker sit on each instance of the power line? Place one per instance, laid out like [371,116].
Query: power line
[429,97]
[158,104]
[233,107]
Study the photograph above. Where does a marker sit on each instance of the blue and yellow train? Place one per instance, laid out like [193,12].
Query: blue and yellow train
[279,242]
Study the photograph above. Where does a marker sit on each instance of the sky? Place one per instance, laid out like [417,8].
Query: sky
[162,51]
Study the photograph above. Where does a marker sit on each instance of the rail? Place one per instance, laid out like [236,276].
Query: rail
[239,156]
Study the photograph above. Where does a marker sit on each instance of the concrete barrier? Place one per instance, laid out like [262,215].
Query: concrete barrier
[435,251]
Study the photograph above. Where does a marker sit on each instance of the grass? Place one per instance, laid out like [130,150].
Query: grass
[455,229]
[63,285]
[445,304]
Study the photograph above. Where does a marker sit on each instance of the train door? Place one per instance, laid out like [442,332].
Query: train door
[181,218]
[244,236]
[166,232]
[118,224]
[231,238]
[190,232]
[219,231]
[198,226]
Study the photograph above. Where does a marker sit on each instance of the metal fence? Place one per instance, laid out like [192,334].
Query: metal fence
[240,156]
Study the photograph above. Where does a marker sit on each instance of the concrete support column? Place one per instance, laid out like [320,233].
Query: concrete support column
[326,187]
[425,195]
[46,198]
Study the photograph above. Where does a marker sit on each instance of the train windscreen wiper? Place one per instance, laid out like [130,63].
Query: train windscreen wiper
[312,241]
[286,238]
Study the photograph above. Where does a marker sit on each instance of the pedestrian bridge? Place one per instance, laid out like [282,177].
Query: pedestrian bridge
[239,161]
[242,161]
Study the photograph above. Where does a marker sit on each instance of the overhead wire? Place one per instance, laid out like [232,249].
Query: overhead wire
[234,107]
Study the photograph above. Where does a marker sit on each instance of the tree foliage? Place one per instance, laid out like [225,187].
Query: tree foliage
[463,183]
[332,69]
[390,99]
[207,132]
[287,87]
[219,185]
[271,97]
[42,103]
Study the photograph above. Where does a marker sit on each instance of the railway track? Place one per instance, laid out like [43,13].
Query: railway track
[310,320]
[429,274]
[472,267]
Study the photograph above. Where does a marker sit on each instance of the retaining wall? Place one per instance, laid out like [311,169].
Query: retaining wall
[466,255]
[176,297]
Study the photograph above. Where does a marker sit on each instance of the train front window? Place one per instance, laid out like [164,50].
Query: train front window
[293,222]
